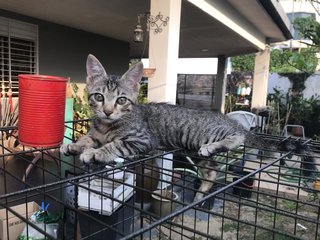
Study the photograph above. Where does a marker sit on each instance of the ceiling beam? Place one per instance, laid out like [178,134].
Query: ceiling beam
[231,19]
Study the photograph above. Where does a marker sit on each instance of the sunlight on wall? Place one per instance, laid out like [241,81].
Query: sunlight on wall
[194,65]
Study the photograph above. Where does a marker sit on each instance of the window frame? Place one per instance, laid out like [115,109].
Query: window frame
[19,31]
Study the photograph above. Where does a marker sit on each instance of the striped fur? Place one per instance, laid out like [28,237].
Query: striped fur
[121,128]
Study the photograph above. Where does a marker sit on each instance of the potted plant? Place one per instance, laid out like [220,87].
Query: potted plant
[194,173]
[163,202]
[299,110]
[312,123]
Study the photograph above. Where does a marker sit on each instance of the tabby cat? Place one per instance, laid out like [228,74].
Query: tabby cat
[121,128]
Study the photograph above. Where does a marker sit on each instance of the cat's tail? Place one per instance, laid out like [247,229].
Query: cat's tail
[294,146]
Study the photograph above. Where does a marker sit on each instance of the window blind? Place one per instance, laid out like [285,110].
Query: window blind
[18,52]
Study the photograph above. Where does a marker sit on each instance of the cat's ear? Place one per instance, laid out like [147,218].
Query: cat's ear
[94,68]
[133,76]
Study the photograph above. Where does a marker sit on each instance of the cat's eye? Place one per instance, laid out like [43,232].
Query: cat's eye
[121,100]
[98,97]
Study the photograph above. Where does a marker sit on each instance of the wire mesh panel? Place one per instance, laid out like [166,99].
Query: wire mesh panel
[255,194]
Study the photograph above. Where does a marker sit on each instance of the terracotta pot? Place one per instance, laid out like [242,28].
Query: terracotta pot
[296,131]
[149,72]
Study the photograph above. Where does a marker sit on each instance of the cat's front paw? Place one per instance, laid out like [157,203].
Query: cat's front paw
[92,154]
[210,149]
[207,150]
[70,149]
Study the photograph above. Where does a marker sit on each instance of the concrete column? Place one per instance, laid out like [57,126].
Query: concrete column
[164,51]
[260,79]
[220,86]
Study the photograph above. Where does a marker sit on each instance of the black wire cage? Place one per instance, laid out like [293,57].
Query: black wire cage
[257,194]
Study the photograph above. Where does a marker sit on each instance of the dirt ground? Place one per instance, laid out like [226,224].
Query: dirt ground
[291,213]
[278,219]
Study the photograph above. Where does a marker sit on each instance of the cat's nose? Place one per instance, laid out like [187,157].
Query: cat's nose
[107,112]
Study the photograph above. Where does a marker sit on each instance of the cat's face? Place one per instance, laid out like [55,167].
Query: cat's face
[110,98]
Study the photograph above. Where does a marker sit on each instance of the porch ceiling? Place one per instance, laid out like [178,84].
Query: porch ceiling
[199,30]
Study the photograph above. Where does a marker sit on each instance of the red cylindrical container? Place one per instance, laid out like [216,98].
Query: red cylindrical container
[41,110]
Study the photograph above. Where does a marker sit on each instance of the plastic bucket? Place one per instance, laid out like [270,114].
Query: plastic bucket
[41,110]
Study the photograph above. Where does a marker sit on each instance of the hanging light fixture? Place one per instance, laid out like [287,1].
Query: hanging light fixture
[138,32]
[152,22]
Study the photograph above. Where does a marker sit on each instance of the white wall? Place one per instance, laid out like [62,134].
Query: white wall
[197,65]
[278,82]
[193,65]
[283,83]
[312,85]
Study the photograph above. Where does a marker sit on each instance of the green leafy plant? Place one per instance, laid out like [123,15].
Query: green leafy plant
[230,103]
[300,109]
[293,109]
[304,110]
[287,61]
[278,108]
[243,63]
[81,106]
[309,28]
[281,61]
[143,96]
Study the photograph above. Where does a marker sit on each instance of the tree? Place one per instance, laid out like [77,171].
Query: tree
[309,28]
[288,60]
[281,61]
[243,63]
